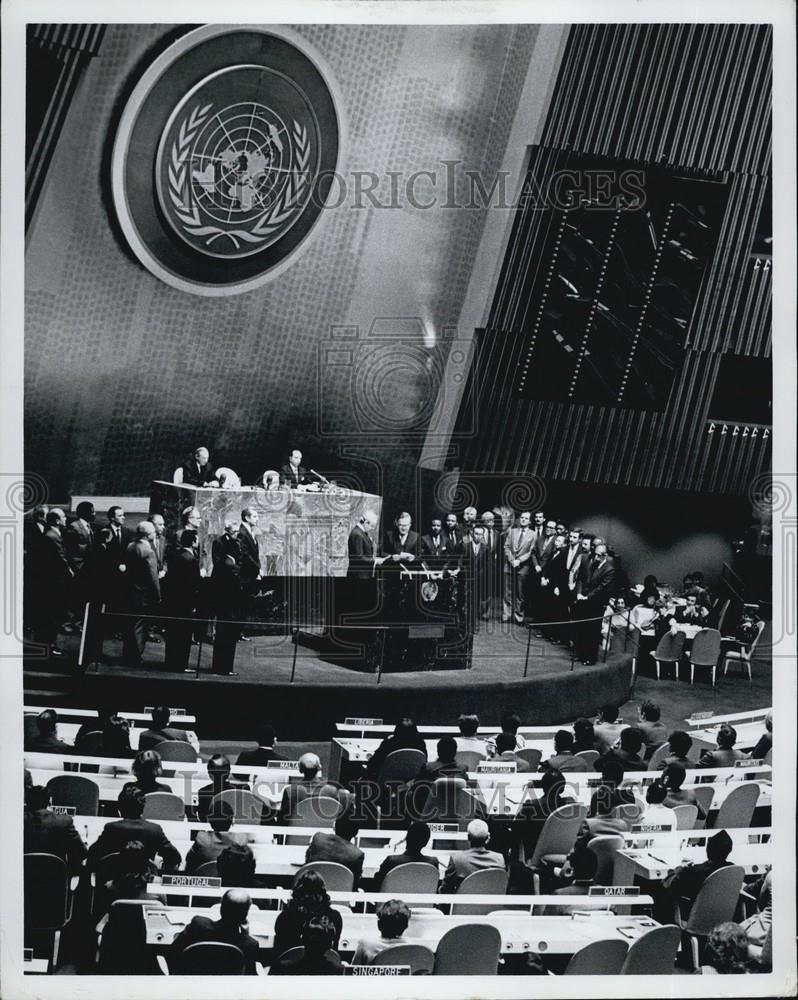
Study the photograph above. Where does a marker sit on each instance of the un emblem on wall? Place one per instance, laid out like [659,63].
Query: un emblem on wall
[224,157]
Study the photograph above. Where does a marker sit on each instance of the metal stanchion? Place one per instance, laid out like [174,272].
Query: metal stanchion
[295,632]
[528,646]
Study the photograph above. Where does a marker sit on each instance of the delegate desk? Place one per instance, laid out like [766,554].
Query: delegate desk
[300,533]
[178,718]
[345,753]
[376,729]
[748,735]
[657,863]
[68,731]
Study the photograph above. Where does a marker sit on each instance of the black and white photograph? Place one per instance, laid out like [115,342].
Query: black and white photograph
[399,514]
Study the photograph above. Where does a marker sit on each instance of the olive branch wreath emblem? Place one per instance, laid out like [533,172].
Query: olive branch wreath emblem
[185,208]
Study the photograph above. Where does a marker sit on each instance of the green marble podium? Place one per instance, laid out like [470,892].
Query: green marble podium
[300,534]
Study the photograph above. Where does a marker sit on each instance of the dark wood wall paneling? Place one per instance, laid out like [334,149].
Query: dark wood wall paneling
[698,98]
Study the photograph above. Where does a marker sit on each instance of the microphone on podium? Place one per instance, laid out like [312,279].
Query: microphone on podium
[318,475]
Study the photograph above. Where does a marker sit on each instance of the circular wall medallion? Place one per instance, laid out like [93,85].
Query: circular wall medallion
[224,156]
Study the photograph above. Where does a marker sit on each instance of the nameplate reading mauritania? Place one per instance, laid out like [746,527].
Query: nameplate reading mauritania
[192,881]
[497,767]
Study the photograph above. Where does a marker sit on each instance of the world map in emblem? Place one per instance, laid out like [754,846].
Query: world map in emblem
[224,157]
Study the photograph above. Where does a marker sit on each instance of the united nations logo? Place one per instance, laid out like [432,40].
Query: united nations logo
[240,131]
[429,591]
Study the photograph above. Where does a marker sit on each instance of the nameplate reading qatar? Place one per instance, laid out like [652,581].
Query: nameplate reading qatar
[192,881]
[613,890]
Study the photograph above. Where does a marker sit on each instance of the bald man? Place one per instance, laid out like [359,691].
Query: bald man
[143,593]
[231,928]
[311,785]
[475,859]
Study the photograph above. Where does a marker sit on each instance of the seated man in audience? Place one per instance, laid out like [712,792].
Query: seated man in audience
[147,769]
[725,754]
[264,753]
[468,739]
[601,820]
[691,613]
[231,928]
[765,743]
[654,732]
[47,740]
[312,785]
[685,882]
[505,750]
[219,773]
[476,858]
[160,730]
[610,790]
[509,724]
[580,866]
[236,867]
[338,846]
[657,813]
[418,836]
[584,735]
[607,728]
[680,743]
[47,832]
[132,827]
[392,920]
[673,777]
[564,758]
[628,753]
[445,765]
[317,957]
[209,844]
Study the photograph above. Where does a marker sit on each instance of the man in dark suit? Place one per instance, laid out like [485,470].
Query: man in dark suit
[250,552]
[78,543]
[159,543]
[219,773]
[685,882]
[553,606]
[114,542]
[230,928]
[55,582]
[293,473]
[593,589]
[312,785]
[143,590]
[46,740]
[417,838]
[50,833]
[361,548]
[198,470]
[451,533]
[434,545]
[120,832]
[160,730]
[33,531]
[542,551]
[181,593]
[209,844]
[338,847]
[226,597]
[264,753]
[401,544]
[476,858]
[628,753]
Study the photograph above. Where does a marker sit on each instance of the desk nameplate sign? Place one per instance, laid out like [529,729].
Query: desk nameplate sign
[377,970]
[192,881]
[443,827]
[362,722]
[172,711]
[651,828]
[699,716]
[614,890]
[497,767]
[64,810]
[749,763]
[283,765]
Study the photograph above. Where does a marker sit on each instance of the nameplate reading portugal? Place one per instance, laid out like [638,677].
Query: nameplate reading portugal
[377,970]
[614,890]
[497,767]
[192,881]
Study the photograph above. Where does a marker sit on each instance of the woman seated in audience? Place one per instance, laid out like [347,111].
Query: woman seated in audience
[404,737]
[317,957]
[129,880]
[673,778]
[392,920]
[657,813]
[147,769]
[726,951]
[725,754]
[309,900]
[584,738]
[116,738]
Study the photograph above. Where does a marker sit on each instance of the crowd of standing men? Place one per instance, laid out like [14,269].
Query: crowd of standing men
[531,567]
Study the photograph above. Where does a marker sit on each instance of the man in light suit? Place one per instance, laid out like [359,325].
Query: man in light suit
[593,589]
[143,595]
[517,556]
[475,859]
[338,847]
[476,564]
